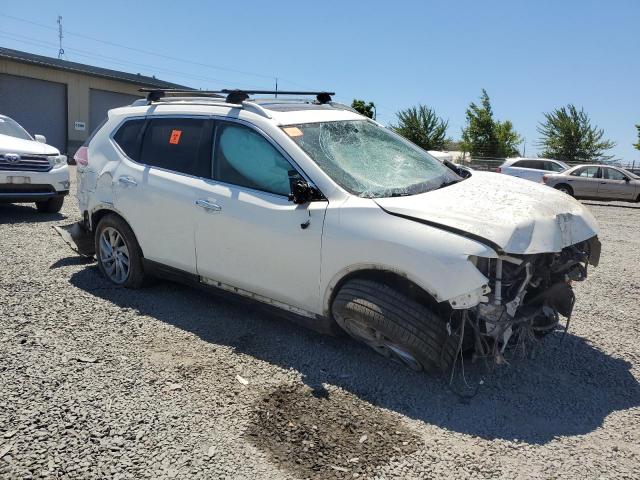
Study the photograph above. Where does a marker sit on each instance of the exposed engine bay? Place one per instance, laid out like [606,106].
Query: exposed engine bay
[530,294]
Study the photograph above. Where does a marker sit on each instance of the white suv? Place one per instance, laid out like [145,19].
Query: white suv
[532,169]
[314,209]
[31,170]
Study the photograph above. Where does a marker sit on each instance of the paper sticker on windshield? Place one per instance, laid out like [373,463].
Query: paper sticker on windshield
[293,131]
[174,139]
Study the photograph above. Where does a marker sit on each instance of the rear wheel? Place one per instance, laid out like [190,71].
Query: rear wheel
[53,205]
[394,325]
[565,189]
[118,253]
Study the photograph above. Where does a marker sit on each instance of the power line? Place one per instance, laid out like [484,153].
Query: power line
[90,55]
[177,59]
[146,52]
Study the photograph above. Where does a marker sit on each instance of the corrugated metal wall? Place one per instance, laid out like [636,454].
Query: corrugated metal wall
[101,101]
[39,106]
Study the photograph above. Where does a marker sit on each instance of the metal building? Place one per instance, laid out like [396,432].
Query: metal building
[64,100]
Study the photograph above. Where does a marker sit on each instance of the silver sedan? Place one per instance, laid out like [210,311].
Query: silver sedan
[596,182]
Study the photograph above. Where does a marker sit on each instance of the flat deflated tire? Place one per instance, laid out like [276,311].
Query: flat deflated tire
[394,325]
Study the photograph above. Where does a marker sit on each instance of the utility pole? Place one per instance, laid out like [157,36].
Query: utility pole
[276,87]
[61,50]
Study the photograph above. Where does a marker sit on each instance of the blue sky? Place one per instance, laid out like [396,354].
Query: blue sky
[530,56]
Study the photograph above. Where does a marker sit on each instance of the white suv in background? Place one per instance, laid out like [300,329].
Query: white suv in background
[531,168]
[312,208]
[31,170]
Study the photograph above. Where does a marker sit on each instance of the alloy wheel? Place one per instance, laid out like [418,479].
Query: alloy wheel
[114,255]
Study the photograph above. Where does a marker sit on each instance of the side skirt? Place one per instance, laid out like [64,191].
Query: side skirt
[318,323]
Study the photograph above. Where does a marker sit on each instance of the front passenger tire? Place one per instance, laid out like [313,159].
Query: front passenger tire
[394,325]
[118,253]
[53,205]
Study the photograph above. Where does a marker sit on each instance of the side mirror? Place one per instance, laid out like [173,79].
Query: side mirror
[627,179]
[301,191]
[40,138]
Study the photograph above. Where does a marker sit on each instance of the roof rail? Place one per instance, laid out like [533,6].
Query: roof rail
[232,96]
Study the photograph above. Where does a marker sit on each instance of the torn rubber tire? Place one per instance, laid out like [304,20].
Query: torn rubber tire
[118,253]
[394,325]
[53,205]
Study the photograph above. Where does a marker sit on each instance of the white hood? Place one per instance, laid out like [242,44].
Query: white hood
[10,144]
[520,216]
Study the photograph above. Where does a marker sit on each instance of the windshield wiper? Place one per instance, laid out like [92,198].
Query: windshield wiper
[446,184]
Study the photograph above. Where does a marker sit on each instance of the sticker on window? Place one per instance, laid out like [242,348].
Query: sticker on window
[174,139]
[293,131]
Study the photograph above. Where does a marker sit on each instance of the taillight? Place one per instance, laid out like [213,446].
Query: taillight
[82,156]
[499,170]
[545,178]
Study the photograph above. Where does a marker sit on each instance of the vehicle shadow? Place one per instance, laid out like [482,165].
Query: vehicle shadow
[11,213]
[569,389]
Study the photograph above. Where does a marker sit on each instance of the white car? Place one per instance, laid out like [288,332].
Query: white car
[31,170]
[531,168]
[314,209]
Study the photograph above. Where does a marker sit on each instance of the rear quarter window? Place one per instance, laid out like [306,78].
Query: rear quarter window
[128,138]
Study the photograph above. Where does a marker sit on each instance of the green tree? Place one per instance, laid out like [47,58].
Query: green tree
[567,134]
[422,126]
[637,145]
[485,137]
[507,140]
[366,109]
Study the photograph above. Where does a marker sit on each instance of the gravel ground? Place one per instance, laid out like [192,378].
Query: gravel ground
[168,382]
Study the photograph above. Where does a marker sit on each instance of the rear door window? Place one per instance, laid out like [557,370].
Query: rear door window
[553,167]
[530,164]
[522,164]
[587,172]
[181,145]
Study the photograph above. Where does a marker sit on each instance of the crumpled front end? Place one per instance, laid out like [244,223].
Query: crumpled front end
[529,295]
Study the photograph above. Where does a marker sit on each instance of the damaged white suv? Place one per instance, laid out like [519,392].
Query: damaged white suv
[315,209]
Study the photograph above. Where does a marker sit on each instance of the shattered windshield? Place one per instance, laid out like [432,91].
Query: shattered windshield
[13,129]
[370,161]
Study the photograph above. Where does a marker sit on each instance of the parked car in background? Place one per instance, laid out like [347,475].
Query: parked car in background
[312,208]
[31,170]
[531,168]
[599,182]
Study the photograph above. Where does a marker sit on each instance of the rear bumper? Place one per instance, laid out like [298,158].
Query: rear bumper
[25,186]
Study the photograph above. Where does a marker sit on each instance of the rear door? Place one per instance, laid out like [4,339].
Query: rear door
[165,161]
[615,185]
[585,181]
[249,236]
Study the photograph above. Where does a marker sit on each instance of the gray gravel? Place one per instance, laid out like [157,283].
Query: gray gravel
[103,382]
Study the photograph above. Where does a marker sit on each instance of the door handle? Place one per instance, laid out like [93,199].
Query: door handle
[603,183]
[208,205]
[127,181]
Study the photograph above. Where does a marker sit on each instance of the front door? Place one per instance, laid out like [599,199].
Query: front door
[248,234]
[615,185]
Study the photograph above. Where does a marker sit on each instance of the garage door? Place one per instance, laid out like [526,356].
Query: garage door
[39,106]
[101,101]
